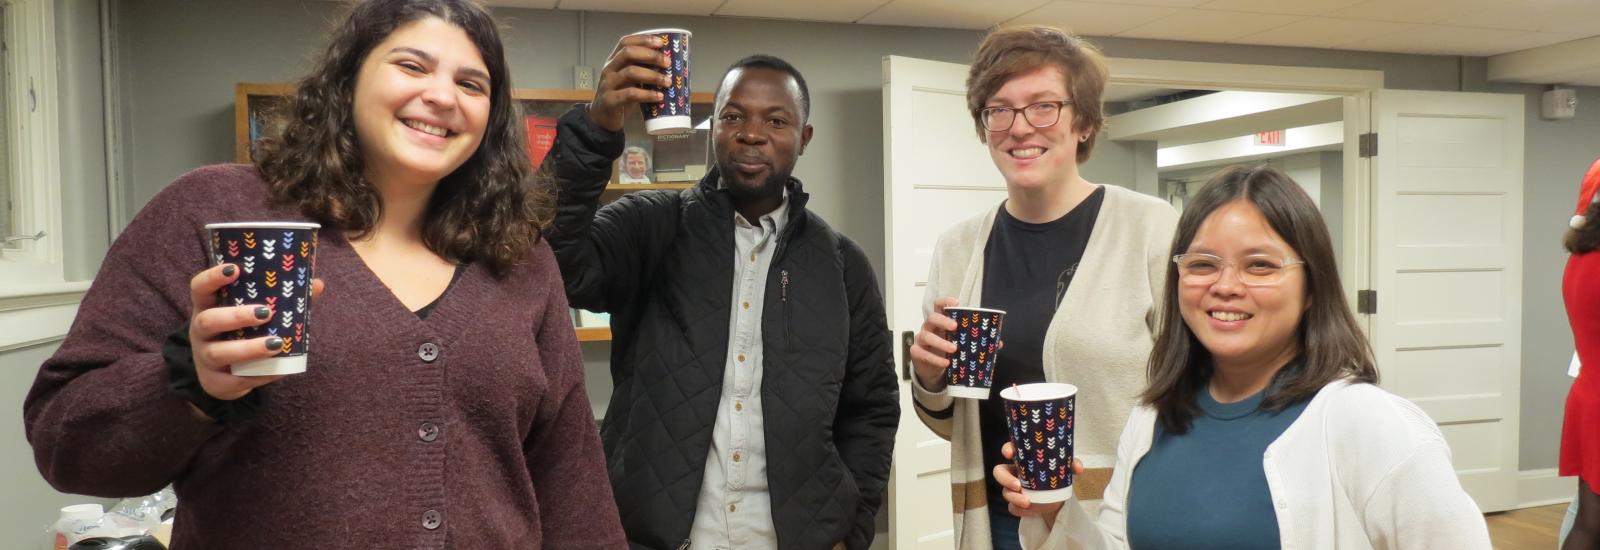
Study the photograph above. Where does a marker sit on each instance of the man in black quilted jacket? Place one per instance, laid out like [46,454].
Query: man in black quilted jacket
[755,401]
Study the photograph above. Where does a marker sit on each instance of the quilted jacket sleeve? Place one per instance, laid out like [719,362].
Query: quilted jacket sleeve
[603,252]
[869,400]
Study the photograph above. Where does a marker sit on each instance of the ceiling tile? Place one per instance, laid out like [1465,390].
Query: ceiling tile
[840,11]
[1444,40]
[1086,18]
[1323,32]
[960,14]
[676,7]
[1412,11]
[1209,26]
[1564,16]
[1159,3]
[1287,7]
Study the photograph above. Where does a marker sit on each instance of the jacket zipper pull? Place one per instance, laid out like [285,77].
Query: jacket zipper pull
[783,294]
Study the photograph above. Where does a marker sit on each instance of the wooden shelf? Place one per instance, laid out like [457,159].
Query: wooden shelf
[594,334]
[626,187]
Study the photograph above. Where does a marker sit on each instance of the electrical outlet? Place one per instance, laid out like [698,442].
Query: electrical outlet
[583,77]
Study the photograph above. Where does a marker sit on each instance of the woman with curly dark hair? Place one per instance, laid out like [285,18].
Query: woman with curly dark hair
[443,405]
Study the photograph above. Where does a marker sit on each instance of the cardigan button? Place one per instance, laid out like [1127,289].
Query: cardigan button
[1283,504]
[428,352]
[432,519]
[428,431]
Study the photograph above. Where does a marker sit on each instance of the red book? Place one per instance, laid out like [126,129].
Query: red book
[541,137]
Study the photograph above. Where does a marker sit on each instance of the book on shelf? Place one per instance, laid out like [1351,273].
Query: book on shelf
[674,153]
[590,319]
[541,137]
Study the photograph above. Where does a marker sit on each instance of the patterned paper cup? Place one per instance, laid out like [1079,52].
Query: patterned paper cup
[275,261]
[977,340]
[671,114]
[1040,417]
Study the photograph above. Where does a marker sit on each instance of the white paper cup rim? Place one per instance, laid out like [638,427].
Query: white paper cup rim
[264,225]
[977,309]
[684,32]
[1042,391]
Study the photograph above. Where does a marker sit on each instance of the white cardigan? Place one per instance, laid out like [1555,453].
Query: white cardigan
[1099,339]
[1360,468]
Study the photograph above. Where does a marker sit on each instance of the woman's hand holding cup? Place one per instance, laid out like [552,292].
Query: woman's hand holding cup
[931,349]
[212,355]
[1011,489]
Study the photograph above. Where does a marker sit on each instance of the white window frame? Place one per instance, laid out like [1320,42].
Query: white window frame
[32,266]
[37,304]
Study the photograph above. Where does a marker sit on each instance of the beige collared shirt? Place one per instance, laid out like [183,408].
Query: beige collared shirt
[734,509]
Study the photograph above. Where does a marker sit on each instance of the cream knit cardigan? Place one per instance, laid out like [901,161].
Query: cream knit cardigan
[1099,339]
[1360,468]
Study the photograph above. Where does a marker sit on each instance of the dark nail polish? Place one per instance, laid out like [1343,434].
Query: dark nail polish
[228,270]
[274,343]
[262,312]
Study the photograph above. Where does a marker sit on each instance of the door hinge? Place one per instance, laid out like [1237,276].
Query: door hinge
[1367,302]
[1368,145]
[906,338]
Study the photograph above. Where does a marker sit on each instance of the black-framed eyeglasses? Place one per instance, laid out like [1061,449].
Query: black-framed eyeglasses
[1043,114]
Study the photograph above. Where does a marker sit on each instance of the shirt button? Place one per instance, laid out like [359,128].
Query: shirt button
[747,305]
[741,358]
[752,257]
[432,519]
[733,507]
[736,456]
[738,406]
[428,431]
[428,352]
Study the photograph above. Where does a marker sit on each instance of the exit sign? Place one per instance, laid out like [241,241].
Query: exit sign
[1270,137]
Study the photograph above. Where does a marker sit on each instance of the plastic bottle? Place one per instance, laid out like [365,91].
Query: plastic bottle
[76,523]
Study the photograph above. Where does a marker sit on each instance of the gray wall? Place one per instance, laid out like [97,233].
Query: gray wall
[30,505]
[180,59]
[1333,200]
[82,138]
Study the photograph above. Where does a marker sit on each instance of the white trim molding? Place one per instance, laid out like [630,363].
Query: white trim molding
[1234,76]
[30,316]
[1544,487]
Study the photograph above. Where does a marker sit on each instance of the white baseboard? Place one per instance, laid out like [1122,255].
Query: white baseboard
[1543,487]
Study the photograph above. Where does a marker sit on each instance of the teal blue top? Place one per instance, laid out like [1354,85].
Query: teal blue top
[1206,488]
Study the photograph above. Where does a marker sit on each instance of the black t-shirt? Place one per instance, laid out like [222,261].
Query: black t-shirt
[1026,270]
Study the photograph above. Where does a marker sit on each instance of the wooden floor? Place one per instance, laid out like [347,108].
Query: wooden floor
[1526,529]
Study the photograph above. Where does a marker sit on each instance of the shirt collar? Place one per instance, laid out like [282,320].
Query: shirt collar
[778,216]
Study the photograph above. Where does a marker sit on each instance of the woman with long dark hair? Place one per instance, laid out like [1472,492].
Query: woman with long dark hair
[443,403]
[1262,426]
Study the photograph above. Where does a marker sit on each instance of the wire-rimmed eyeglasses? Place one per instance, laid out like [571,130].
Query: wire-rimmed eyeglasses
[1252,270]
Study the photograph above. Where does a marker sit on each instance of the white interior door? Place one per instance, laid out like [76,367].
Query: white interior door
[936,173]
[1447,234]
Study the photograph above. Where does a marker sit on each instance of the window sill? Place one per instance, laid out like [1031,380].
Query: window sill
[31,315]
